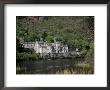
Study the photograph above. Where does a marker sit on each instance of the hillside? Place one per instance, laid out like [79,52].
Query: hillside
[74,31]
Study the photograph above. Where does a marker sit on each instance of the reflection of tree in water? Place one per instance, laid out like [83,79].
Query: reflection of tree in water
[62,66]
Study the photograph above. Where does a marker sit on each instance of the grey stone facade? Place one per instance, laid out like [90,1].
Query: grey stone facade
[44,47]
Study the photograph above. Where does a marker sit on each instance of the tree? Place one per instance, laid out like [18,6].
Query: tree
[19,46]
[44,35]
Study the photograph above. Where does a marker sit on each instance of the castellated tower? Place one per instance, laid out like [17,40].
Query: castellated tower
[56,45]
[36,47]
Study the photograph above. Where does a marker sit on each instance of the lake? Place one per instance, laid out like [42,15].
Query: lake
[58,66]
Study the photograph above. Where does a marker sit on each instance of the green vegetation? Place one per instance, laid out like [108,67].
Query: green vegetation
[75,31]
[26,56]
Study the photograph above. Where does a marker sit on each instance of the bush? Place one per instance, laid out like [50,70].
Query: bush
[26,56]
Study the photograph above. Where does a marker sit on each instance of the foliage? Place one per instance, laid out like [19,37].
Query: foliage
[19,46]
[26,56]
[75,31]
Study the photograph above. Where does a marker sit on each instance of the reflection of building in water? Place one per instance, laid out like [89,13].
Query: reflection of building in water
[44,47]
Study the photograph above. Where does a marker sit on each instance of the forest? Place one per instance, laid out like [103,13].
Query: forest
[74,31]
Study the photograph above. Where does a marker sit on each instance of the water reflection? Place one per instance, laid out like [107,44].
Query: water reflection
[59,66]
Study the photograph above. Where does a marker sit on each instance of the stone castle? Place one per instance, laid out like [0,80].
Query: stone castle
[45,47]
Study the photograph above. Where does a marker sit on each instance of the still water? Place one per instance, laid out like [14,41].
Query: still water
[46,66]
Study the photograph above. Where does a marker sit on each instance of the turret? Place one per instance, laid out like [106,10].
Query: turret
[36,47]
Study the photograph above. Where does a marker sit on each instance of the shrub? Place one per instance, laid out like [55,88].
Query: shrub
[26,56]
